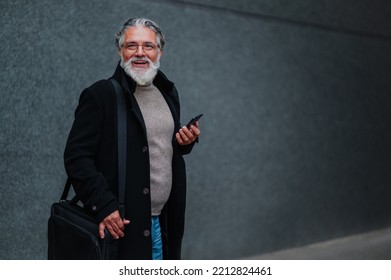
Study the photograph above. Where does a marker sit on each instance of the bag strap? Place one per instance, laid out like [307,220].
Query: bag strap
[121,130]
[66,190]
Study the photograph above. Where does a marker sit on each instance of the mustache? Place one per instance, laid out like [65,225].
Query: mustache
[140,58]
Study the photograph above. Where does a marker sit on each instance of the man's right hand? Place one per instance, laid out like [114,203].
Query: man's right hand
[114,224]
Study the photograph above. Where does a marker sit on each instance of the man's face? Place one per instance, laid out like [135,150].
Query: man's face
[140,55]
[140,42]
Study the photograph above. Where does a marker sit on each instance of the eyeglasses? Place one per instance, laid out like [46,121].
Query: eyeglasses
[148,47]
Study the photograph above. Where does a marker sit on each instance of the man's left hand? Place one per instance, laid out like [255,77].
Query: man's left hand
[186,136]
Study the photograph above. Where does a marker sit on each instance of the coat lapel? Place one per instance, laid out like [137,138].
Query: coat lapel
[129,86]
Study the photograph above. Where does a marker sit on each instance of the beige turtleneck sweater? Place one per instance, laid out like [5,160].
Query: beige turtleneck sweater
[160,129]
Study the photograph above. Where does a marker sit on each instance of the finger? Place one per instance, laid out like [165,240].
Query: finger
[195,131]
[179,139]
[187,131]
[121,232]
[112,232]
[119,224]
[197,124]
[191,134]
[102,230]
[117,228]
[184,136]
[111,227]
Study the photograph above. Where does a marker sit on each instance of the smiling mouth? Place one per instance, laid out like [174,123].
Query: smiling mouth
[140,63]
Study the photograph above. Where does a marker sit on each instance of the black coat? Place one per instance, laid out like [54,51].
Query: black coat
[91,163]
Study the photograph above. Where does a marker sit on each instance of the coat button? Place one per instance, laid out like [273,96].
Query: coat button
[145,149]
[145,191]
[94,208]
[147,233]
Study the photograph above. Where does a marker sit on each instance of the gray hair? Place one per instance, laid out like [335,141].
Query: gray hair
[133,22]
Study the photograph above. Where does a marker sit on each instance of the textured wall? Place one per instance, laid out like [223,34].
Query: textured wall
[296,96]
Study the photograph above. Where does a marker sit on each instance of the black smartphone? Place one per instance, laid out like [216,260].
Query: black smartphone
[194,120]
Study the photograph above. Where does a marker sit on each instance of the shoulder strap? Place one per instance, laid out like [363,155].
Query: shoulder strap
[121,129]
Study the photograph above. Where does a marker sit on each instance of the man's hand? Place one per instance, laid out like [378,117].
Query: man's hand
[114,224]
[186,136]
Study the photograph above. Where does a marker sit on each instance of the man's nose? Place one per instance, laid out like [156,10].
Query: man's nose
[140,50]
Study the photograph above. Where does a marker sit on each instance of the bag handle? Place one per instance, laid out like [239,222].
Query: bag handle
[121,131]
[66,190]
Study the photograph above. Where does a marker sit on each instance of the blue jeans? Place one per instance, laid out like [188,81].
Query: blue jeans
[157,246]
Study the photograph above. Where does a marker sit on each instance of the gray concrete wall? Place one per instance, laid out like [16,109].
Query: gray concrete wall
[296,96]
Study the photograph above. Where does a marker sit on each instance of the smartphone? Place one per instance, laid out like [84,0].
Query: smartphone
[194,120]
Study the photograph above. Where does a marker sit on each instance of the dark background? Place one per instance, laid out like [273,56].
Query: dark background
[295,144]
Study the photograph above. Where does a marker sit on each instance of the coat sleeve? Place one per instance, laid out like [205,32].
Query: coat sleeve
[186,149]
[79,157]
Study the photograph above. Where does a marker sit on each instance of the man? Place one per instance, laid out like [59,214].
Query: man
[153,225]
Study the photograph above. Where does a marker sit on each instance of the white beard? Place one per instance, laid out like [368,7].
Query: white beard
[142,77]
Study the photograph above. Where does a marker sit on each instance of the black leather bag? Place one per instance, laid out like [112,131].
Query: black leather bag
[73,233]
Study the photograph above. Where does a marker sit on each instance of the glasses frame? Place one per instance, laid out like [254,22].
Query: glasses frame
[146,46]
